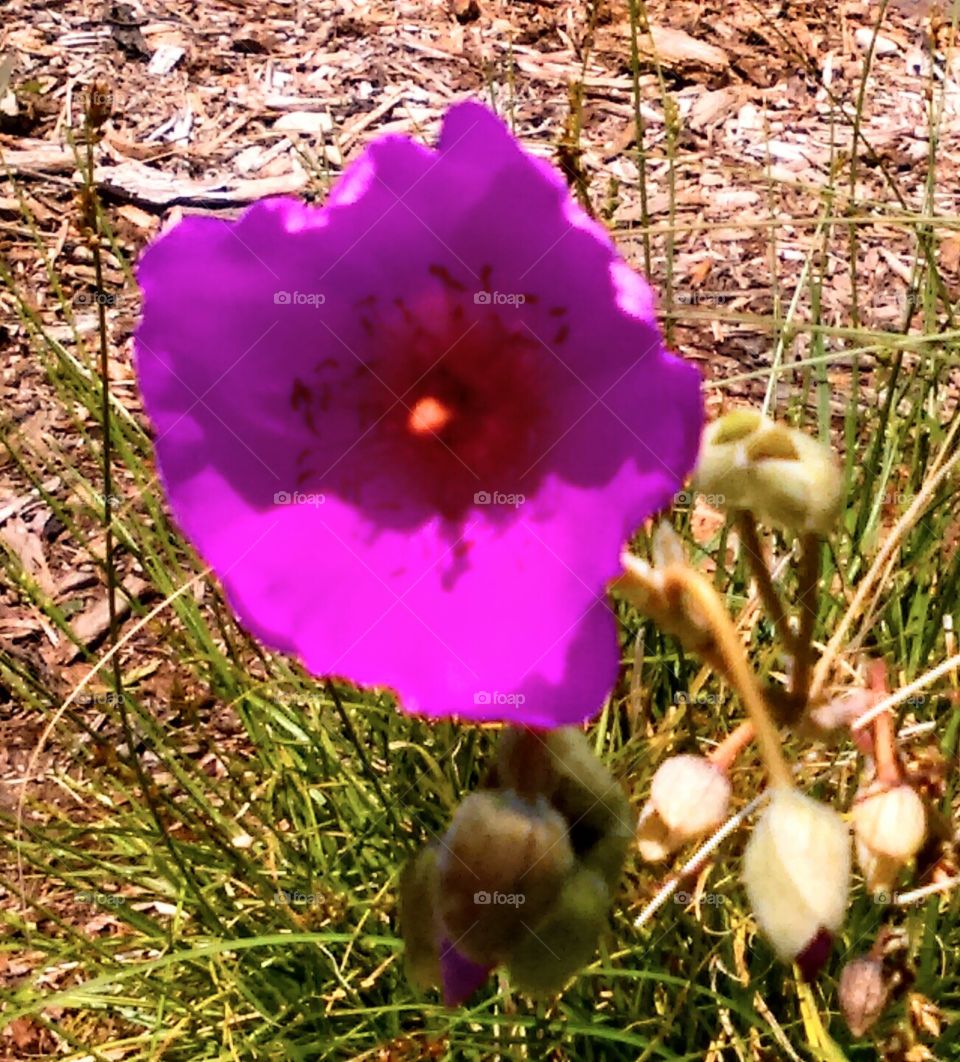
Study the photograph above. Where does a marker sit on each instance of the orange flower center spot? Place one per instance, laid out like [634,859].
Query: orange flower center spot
[429,416]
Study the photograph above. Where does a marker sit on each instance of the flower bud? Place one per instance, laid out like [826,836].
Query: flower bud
[501,864]
[555,948]
[863,993]
[689,796]
[581,788]
[890,826]
[780,473]
[418,919]
[644,587]
[796,869]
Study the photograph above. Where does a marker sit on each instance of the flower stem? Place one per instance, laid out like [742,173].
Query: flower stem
[884,737]
[750,537]
[700,592]
[724,755]
[809,582]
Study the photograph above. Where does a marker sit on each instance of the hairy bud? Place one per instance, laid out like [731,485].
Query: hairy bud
[863,992]
[501,864]
[779,473]
[796,869]
[689,797]
[890,826]
[566,939]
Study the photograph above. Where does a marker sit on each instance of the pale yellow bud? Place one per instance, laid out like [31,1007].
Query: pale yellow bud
[891,821]
[796,869]
[689,796]
[779,473]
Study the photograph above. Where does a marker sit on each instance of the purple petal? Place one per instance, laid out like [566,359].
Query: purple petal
[461,976]
[412,430]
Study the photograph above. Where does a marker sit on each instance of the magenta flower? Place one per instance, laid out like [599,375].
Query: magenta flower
[412,430]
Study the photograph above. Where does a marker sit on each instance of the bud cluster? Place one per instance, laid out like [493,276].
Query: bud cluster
[525,873]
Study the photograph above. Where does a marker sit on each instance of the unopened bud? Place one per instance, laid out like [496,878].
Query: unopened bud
[501,864]
[864,991]
[419,925]
[890,826]
[554,949]
[643,585]
[780,473]
[689,796]
[891,821]
[796,869]
[581,788]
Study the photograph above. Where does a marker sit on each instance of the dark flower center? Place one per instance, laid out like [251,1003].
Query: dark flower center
[445,404]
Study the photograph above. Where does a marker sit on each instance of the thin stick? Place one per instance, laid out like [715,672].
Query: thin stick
[907,692]
[687,581]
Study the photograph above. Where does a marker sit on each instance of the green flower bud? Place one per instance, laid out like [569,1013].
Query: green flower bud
[419,919]
[780,473]
[581,788]
[587,795]
[554,949]
[501,865]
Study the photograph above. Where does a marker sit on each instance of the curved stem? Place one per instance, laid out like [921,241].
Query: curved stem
[703,596]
